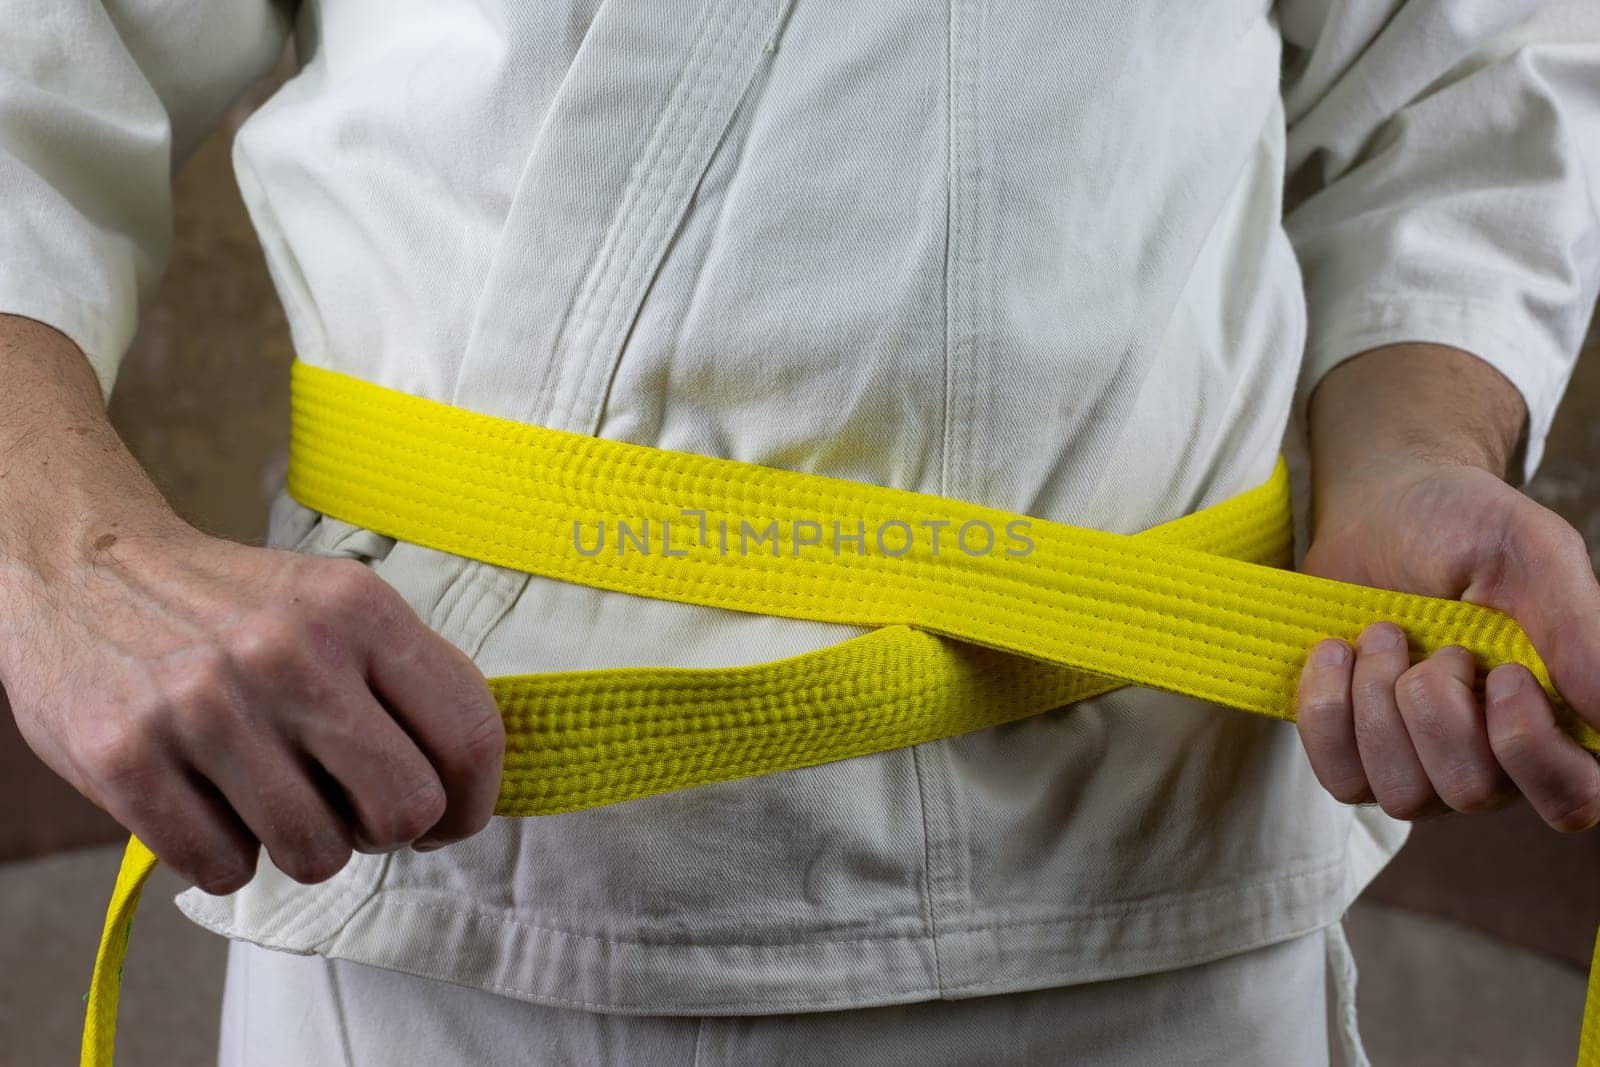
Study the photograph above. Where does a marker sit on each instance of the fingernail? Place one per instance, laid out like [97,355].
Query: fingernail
[1330,654]
[426,844]
[1381,638]
[1503,684]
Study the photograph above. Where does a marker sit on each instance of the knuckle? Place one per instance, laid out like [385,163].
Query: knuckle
[479,745]
[214,720]
[311,864]
[420,808]
[196,702]
[1421,703]
[200,680]
[1349,788]
[220,875]
[411,815]
[1514,743]
[306,840]
[1542,538]
[121,755]
[1470,787]
[213,866]
[1405,801]
[347,586]
[204,724]
[1551,535]
[1420,682]
[1404,809]
[269,644]
[1576,814]
[1372,692]
[1323,713]
[221,883]
[1370,729]
[284,652]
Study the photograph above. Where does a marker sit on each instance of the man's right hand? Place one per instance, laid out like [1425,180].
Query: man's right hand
[215,697]
[212,696]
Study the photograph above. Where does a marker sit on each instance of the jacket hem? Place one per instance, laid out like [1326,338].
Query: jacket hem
[434,936]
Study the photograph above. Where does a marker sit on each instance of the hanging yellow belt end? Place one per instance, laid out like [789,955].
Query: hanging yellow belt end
[1589,1042]
[100,1024]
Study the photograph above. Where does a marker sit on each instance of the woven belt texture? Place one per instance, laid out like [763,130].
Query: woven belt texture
[959,641]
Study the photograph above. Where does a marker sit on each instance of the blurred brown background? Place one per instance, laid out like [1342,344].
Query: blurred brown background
[1495,901]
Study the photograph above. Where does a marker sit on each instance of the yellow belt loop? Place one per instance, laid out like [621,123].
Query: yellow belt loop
[959,641]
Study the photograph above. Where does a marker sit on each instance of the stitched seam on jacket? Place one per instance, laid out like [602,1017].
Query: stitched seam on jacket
[555,371]
[683,178]
[902,995]
[570,353]
[930,920]
[405,897]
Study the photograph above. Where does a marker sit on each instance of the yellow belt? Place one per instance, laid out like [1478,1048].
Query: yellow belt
[1004,622]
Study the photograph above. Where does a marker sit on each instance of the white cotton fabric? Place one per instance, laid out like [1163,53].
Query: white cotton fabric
[1030,255]
[1247,1010]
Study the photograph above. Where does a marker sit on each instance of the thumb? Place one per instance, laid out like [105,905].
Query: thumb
[1547,583]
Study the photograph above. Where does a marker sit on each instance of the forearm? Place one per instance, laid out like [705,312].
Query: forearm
[69,488]
[1411,404]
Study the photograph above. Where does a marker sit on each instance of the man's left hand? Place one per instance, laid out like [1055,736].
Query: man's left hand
[1420,738]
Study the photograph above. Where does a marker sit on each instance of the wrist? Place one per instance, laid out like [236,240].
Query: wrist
[67,506]
[69,489]
[1401,411]
[58,548]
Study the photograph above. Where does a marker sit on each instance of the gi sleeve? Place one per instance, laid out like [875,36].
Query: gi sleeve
[99,102]
[1444,156]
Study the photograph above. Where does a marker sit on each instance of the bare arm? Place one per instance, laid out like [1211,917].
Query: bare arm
[1410,445]
[211,696]
[69,482]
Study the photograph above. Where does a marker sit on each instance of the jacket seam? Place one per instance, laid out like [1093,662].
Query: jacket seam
[404,897]
[916,992]
[929,916]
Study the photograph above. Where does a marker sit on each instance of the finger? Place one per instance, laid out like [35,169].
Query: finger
[1326,722]
[219,853]
[442,701]
[391,790]
[131,765]
[1548,585]
[1440,710]
[217,723]
[1559,778]
[190,828]
[275,795]
[1396,775]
